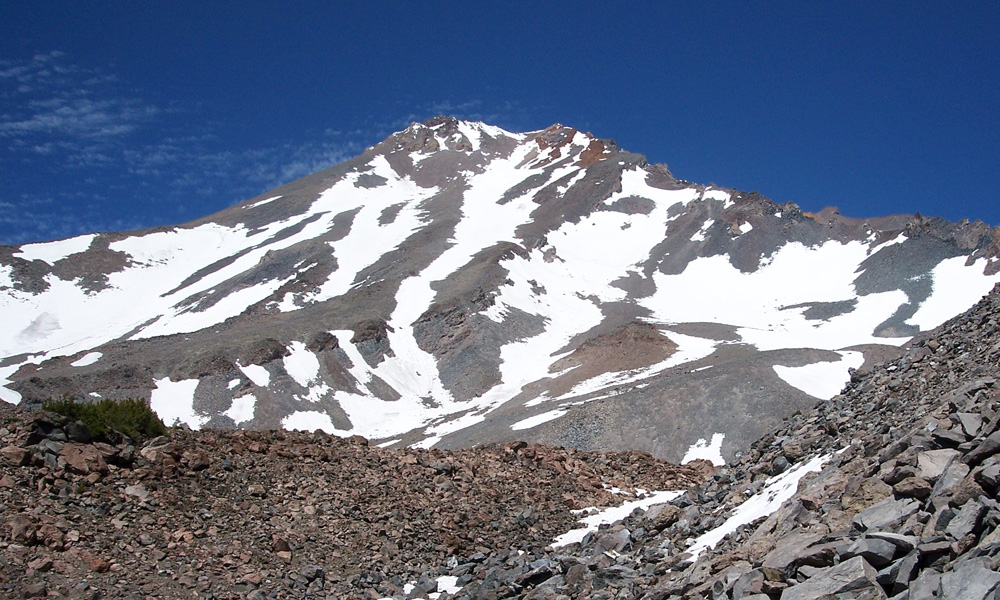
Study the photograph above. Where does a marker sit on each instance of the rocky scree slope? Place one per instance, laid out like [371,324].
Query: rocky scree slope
[273,514]
[458,284]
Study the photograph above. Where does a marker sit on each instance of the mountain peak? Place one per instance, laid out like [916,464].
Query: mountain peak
[458,283]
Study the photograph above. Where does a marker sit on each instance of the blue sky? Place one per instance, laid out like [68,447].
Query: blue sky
[125,115]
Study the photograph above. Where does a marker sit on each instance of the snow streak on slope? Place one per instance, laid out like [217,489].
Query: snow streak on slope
[611,515]
[257,374]
[301,364]
[581,272]
[8,395]
[87,359]
[776,490]
[368,240]
[411,371]
[66,319]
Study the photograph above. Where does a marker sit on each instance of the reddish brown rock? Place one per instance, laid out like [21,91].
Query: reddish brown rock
[83,458]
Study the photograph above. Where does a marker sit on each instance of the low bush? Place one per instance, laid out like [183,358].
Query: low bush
[107,418]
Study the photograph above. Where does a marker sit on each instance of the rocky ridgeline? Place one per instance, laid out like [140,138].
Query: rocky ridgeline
[274,514]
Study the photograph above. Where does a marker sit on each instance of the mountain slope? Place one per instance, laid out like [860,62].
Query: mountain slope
[458,284]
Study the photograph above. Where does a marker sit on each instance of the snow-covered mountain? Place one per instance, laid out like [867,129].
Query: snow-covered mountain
[458,284]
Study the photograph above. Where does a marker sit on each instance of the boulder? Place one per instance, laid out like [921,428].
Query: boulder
[969,583]
[931,463]
[83,458]
[877,552]
[854,575]
[966,520]
[886,514]
[913,487]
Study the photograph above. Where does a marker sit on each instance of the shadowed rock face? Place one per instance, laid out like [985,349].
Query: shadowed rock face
[458,283]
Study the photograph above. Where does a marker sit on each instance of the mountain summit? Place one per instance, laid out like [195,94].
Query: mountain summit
[458,284]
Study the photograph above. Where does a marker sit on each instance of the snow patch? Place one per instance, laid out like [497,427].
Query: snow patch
[710,451]
[308,420]
[242,409]
[234,384]
[611,515]
[8,395]
[262,202]
[717,195]
[53,252]
[955,288]
[797,274]
[822,380]
[257,374]
[87,359]
[301,364]
[700,235]
[173,402]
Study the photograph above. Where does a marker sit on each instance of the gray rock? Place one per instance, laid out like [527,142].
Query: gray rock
[967,520]
[989,477]
[886,514]
[853,575]
[969,583]
[987,448]
[926,586]
[897,576]
[905,543]
[952,476]
[877,552]
[780,562]
[931,463]
[748,585]
[971,422]
[613,540]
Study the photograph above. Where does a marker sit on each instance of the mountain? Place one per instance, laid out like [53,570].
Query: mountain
[885,490]
[458,284]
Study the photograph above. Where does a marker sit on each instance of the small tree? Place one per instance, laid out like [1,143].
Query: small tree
[132,417]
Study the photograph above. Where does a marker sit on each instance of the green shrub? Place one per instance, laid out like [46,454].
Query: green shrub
[109,418]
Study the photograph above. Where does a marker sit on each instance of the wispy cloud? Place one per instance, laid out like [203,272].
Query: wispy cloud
[48,100]
[82,151]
